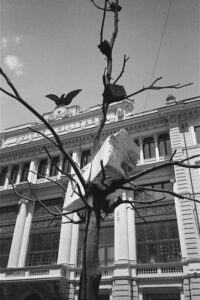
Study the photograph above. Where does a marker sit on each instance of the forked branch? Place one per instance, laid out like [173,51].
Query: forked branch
[40,117]
[157,87]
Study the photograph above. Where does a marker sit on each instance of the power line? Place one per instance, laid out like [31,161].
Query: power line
[158,52]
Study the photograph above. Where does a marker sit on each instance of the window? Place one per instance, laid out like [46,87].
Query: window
[3,174]
[54,163]
[45,234]
[66,167]
[25,171]
[149,148]
[5,244]
[157,240]
[85,158]
[42,168]
[197,134]
[43,249]
[164,145]
[106,246]
[14,173]
[8,217]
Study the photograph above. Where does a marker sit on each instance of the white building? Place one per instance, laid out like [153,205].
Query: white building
[40,257]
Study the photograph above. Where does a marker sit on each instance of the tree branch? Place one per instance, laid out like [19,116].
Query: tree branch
[46,177]
[103,20]
[44,135]
[153,87]
[30,108]
[119,183]
[123,68]
[99,7]
[60,170]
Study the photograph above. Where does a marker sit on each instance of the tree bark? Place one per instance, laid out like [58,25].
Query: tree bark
[91,274]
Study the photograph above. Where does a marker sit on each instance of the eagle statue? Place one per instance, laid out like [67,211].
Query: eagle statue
[64,99]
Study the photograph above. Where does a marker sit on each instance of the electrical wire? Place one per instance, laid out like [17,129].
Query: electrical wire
[158,52]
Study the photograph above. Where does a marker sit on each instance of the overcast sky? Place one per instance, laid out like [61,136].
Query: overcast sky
[50,46]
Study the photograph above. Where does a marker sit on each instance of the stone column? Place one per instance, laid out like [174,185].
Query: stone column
[131,229]
[66,231]
[141,150]
[180,224]
[33,167]
[19,174]
[74,242]
[121,252]
[60,166]
[48,167]
[18,234]
[156,147]
[26,235]
[8,175]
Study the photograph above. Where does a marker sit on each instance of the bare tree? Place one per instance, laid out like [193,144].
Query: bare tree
[94,195]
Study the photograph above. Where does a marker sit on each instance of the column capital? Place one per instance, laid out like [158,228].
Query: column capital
[155,137]
[22,201]
[140,139]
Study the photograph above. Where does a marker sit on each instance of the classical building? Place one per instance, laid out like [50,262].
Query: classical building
[150,255]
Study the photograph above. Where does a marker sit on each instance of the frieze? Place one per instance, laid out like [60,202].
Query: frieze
[7,229]
[84,138]
[45,224]
[190,115]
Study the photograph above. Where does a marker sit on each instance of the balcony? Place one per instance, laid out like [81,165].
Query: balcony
[107,272]
[159,270]
[34,273]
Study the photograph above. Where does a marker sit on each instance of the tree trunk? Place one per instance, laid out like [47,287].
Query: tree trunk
[91,274]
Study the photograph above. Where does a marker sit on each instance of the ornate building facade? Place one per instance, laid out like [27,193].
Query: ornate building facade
[152,255]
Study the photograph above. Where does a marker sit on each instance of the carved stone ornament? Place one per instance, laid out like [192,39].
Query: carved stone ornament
[61,112]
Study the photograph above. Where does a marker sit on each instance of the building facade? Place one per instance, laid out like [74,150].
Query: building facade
[151,254]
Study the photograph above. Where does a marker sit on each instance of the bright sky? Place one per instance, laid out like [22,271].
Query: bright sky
[50,46]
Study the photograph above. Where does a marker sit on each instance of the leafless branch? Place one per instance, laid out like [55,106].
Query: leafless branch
[153,87]
[115,30]
[40,117]
[103,20]
[46,177]
[137,212]
[191,157]
[60,170]
[99,7]
[120,183]
[165,192]
[18,194]
[171,158]
[68,218]
[123,68]
[44,135]
[102,171]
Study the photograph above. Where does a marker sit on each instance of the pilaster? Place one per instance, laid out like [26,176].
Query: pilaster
[156,147]
[141,150]
[26,235]
[121,234]
[67,242]
[18,234]
[131,229]
[185,214]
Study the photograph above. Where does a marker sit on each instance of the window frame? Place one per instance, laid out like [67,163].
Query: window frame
[53,172]
[165,139]
[42,168]
[149,151]
[85,157]
[3,175]
[197,134]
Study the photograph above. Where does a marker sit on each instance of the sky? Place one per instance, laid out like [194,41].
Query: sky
[50,46]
